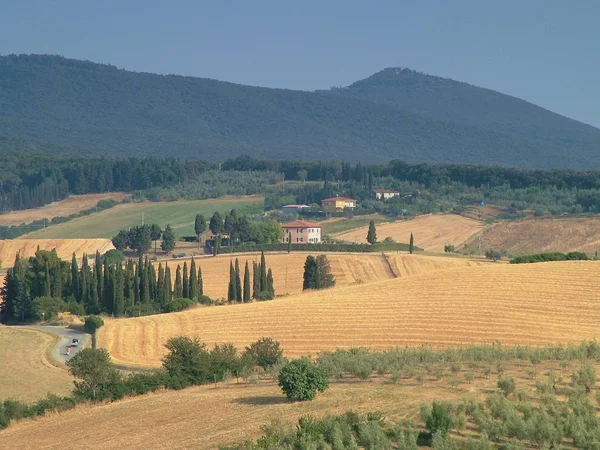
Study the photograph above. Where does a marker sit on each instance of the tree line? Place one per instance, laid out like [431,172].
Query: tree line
[261,287]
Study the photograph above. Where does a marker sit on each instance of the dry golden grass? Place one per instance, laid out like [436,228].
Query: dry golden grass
[515,304]
[25,372]
[71,205]
[348,269]
[431,232]
[526,237]
[64,248]
[206,417]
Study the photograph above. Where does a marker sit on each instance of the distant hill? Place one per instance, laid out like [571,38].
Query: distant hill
[65,106]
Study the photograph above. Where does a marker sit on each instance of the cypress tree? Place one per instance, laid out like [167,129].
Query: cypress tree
[263,272]
[178,283]
[136,285]
[247,292]
[152,282]
[289,242]
[160,284]
[168,285]
[94,304]
[238,284]
[411,244]
[270,287]
[106,300]
[144,285]
[255,280]
[119,297]
[372,233]
[75,278]
[186,284]
[128,284]
[47,285]
[200,283]
[310,273]
[98,273]
[83,282]
[231,294]
[193,289]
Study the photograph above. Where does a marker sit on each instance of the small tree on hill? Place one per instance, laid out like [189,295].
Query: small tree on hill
[411,244]
[93,368]
[372,233]
[301,379]
[91,325]
[264,353]
[168,242]
[310,273]
[238,282]
[155,234]
[231,292]
[216,224]
[247,288]
[199,227]
[494,255]
[325,277]
[289,242]
[187,362]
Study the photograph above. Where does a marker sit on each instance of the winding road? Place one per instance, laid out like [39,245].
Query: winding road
[66,335]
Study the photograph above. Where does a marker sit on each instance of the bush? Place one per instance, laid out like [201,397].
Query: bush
[264,353]
[47,308]
[494,255]
[301,379]
[187,363]
[439,419]
[554,256]
[507,385]
[178,304]
[92,323]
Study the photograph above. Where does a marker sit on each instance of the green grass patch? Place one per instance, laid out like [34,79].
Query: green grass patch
[180,215]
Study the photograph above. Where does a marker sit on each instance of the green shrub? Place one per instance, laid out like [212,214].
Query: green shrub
[264,353]
[301,379]
[439,420]
[93,323]
[178,304]
[47,308]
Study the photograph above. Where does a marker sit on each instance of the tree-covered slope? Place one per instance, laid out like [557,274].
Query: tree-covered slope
[65,106]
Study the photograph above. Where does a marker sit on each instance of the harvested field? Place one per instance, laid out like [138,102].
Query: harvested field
[431,232]
[348,269]
[206,417]
[25,371]
[515,304]
[64,247]
[526,237]
[180,215]
[71,205]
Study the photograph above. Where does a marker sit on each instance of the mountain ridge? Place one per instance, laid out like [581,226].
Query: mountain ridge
[68,104]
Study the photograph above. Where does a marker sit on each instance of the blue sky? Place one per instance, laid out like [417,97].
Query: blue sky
[544,51]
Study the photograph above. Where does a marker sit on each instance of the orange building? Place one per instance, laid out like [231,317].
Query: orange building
[338,203]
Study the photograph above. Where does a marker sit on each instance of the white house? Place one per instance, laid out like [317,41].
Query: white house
[384,194]
[302,232]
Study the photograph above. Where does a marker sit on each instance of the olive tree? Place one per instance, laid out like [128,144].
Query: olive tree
[301,379]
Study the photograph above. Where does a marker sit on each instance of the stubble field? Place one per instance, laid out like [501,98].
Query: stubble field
[288,269]
[514,304]
[431,232]
[25,372]
[64,248]
[71,205]
[526,237]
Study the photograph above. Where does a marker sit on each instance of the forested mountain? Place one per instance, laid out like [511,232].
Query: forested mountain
[63,106]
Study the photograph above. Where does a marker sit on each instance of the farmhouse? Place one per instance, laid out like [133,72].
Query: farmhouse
[293,209]
[338,204]
[302,232]
[384,194]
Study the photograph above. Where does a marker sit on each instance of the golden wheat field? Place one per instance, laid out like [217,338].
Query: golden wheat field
[514,304]
[431,232]
[64,247]
[71,205]
[25,372]
[288,269]
[205,417]
[526,237]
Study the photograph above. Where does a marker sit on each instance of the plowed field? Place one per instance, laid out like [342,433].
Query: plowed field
[515,304]
[431,232]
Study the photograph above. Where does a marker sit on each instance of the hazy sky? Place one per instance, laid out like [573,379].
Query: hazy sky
[544,51]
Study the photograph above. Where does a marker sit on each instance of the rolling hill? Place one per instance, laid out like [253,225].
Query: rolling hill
[65,106]
[528,304]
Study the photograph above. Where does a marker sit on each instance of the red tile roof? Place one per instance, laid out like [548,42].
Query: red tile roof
[301,224]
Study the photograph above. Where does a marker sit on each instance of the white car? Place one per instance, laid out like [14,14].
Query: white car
[75,343]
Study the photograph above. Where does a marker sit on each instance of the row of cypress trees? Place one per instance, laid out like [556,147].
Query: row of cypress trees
[259,288]
[108,287]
